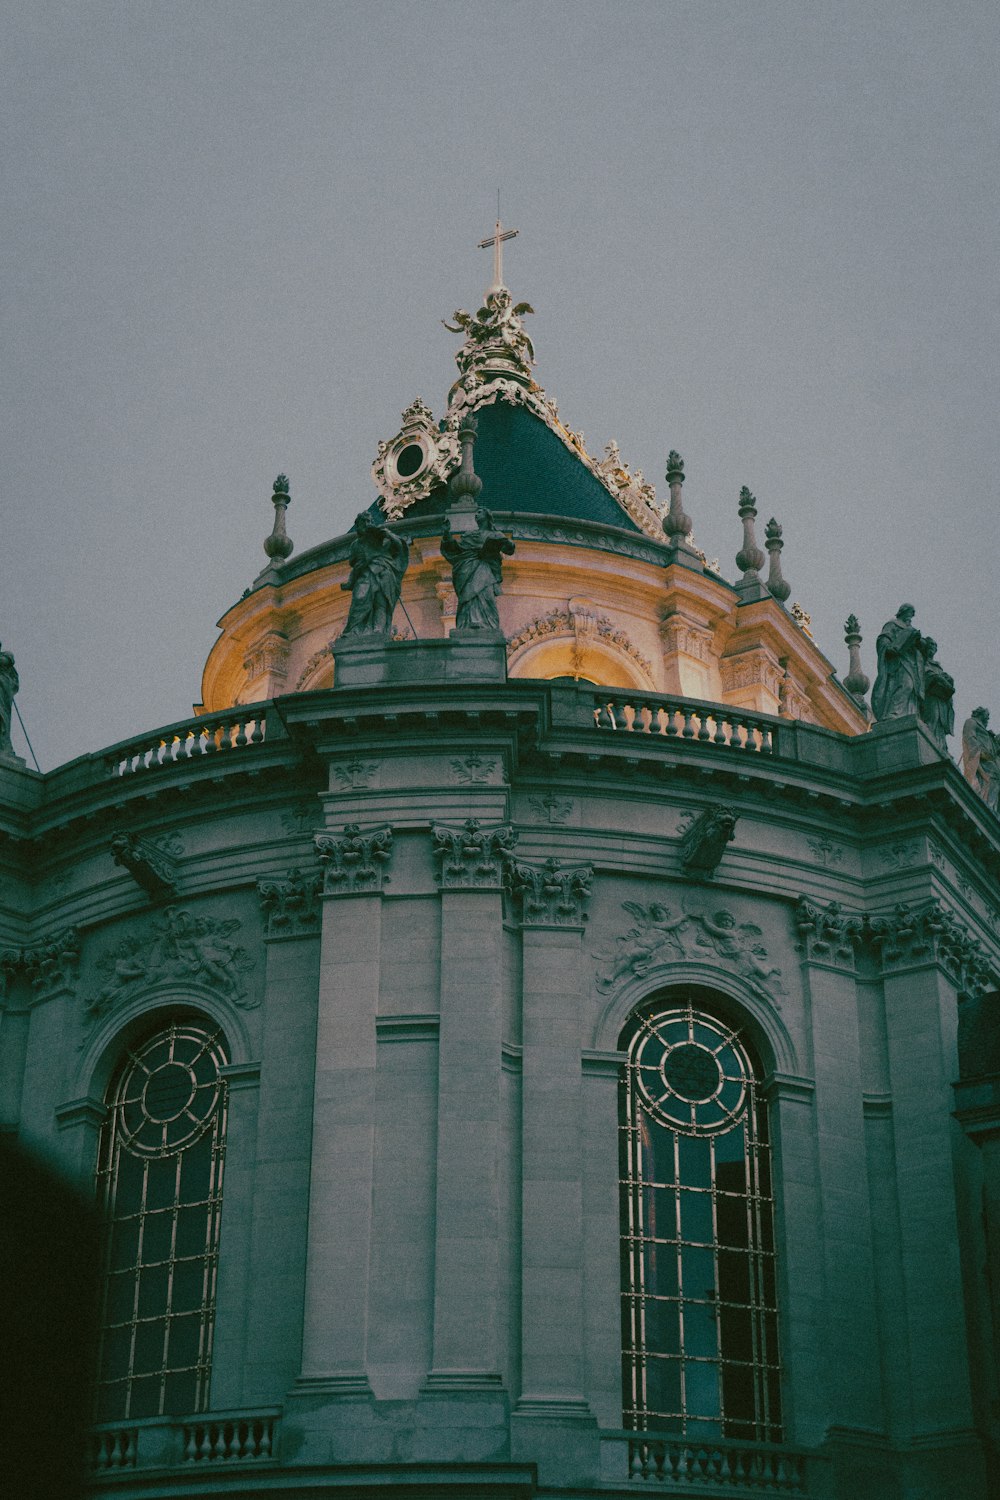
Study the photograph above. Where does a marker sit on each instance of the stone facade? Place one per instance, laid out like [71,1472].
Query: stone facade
[421,913]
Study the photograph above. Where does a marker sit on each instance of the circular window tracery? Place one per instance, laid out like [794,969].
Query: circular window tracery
[691,1071]
[169,1091]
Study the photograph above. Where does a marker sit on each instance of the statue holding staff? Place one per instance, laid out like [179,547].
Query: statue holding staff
[378,560]
[9,684]
[476,559]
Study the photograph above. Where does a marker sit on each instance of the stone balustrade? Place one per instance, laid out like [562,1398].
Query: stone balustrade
[684,718]
[685,1464]
[164,1443]
[190,739]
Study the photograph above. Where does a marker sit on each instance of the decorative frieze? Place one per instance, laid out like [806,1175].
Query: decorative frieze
[680,635]
[704,838]
[302,818]
[901,855]
[476,770]
[472,857]
[178,947]
[354,862]
[291,906]
[552,808]
[659,935]
[911,936]
[828,934]
[826,851]
[550,894]
[152,868]
[357,775]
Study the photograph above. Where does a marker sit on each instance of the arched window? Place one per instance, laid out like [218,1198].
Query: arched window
[699,1307]
[160,1183]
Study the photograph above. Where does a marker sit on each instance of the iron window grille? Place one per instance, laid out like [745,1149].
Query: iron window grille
[699,1304]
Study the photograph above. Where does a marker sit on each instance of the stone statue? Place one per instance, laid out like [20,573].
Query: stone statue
[937,708]
[899,681]
[378,560]
[981,756]
[9,684]
[476,559]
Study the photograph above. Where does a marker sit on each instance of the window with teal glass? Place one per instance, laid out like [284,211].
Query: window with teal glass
[699,1304]
[160,1181]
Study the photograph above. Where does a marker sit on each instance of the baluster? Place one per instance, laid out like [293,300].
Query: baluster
[704,733]
[644,714]
[266,1438]
[191,1445]
[258,731]
[719,737]
[210,747]
[241,736]
[688,731]
[634,1461]
[226,741]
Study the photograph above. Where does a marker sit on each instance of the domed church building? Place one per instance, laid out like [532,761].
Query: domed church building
[533,1032]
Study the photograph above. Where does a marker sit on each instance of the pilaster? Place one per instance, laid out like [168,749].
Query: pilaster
[467,1351]
[827,937]
[234,1278]
[334,1345]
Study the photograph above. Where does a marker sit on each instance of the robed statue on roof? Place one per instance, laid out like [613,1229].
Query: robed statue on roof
[378,559]
[476,559]
[899,682]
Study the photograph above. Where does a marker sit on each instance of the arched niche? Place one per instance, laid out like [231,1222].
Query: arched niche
[590,659]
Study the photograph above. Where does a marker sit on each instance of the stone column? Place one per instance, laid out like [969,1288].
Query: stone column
[343,1124]
[923,954]
[467,1351]
[853,1378]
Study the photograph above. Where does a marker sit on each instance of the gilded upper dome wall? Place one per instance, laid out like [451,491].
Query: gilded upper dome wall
[588,602]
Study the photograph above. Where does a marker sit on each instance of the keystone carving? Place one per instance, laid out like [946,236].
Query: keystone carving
[931,933]
[50,967]
[291,905]
[151,866]
[828,933]
[354,863]
[551,894]
[177,946]
[473,858]
[705,838]
[659,935]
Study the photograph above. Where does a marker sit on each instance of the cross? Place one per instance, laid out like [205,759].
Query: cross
[496,239]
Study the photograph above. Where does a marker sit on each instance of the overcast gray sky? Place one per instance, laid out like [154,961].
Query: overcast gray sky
[765,234]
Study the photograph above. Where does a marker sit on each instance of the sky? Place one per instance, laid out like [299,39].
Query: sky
[763,234]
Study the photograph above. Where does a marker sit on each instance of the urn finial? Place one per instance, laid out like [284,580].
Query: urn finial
[465,484]
[750,558]
[776,585]
[279,544]
[676,523]
[855,682]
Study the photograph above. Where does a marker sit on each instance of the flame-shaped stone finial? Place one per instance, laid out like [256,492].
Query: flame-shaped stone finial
[279,544]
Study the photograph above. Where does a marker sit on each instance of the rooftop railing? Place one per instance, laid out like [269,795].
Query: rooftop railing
[225,1438]
[189,740]
[632,712]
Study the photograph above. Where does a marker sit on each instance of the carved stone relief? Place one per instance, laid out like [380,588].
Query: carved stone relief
[472,857]
[176,946]
[826,851]
[552,808]
[659,934]
[828,934]
[476,770]
[291,906]
[900,856]
[580,622]
[152,868]
[358,775]
[911,935]
[354,862]
[50,966]
[704,836]
[550,894]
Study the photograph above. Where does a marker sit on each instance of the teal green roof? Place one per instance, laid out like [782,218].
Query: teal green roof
[526,467]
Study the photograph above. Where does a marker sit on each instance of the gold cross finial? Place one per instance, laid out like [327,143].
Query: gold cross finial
[496,239]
